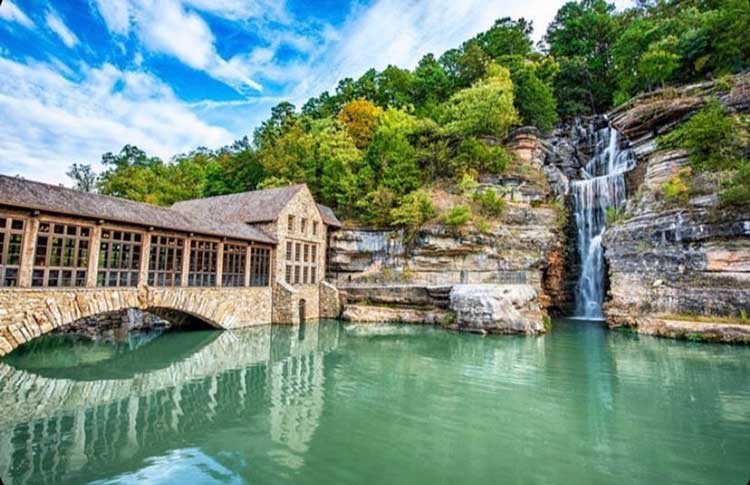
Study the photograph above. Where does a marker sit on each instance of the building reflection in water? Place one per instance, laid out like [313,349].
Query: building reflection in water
[63,428]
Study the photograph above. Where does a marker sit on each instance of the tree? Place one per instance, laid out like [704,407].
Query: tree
[485,108]
[580,38]
[507,37]
[83,176]
[431,83]
[394,87]
[391,156]
[360,117]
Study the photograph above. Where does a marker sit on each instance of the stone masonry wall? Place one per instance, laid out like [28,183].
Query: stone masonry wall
[329,301]
[29,313]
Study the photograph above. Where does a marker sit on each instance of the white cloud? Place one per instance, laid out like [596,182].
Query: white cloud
[57,122]
[56,25]
[169,28]
[11,13]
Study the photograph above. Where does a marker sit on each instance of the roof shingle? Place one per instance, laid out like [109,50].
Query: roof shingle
[27,194]
[250,207]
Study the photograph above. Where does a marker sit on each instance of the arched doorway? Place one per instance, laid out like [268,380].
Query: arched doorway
[302,311]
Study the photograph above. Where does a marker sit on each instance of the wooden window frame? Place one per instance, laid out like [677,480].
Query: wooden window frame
[11,236]
[46,273]
[203,267]
[165,267]
[260,266]
[119,258]
[233,265]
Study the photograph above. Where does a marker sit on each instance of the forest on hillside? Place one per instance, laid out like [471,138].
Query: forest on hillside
[372,148]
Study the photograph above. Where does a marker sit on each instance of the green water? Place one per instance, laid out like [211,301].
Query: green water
[331,403]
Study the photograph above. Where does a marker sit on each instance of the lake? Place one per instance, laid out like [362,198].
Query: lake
[337,403]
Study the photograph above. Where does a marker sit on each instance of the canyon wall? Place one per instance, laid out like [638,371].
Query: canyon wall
[666,260]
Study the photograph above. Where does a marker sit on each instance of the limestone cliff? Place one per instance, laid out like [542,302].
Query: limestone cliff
[665,260]
[524,247]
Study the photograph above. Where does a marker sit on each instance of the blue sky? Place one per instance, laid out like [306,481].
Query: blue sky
[82,77]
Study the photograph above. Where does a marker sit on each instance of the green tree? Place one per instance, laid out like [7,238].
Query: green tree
[485,108]
[580,37]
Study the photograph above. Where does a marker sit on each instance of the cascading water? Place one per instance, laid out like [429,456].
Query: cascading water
[602,186]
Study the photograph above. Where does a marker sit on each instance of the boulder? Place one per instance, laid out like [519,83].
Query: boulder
[497,309]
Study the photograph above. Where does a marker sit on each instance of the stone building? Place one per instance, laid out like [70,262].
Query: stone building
[300,227]
[231,261]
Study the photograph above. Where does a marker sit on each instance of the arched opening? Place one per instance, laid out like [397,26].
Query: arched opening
[121,325]
[302,311]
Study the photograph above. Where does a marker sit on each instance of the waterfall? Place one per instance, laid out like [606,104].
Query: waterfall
[602,186]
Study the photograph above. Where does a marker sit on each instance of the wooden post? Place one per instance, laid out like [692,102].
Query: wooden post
[145,258]
[248,257]
[30,231]
[185,263]
[219,264]
[93,266]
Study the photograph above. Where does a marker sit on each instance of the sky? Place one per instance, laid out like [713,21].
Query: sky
[79,78]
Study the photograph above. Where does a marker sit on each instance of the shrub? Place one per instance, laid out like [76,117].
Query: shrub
[490,204]
[473,154]
[458,216]
[710,136]
[416,208]
[676,190]
[468,183]
[614,215]
[736,190]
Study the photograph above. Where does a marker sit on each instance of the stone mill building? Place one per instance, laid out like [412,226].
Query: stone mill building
[230,261]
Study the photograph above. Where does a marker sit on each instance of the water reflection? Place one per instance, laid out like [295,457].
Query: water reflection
[332,403]
[62,428]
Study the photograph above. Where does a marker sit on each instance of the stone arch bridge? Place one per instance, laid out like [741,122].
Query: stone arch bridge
[29,313]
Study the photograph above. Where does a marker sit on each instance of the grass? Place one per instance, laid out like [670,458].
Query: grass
[742,319]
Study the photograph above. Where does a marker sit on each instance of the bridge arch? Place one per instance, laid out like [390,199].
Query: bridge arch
[27,314]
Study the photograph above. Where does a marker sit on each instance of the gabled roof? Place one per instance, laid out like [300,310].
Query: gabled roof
[250,207]
[27,194]
[329,218]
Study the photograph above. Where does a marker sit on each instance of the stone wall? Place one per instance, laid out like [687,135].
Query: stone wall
[330,301]
[29,313]
[285,304]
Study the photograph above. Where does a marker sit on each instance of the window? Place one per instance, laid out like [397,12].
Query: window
[288,274]
[233,265]
[11,240]
[296,274]
[306,253]
[203,256]
[297,251]
[313,280]
[260,263]
[314,253]
[290,224]
[119,258]
[303,225]
[62,255]
[315,228]
[304,275]
[165,263]
[288,251]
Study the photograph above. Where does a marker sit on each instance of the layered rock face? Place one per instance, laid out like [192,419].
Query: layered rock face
[667,260]
[382,276]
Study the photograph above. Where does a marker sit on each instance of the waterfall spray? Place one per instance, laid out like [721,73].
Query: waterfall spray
[602,186]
